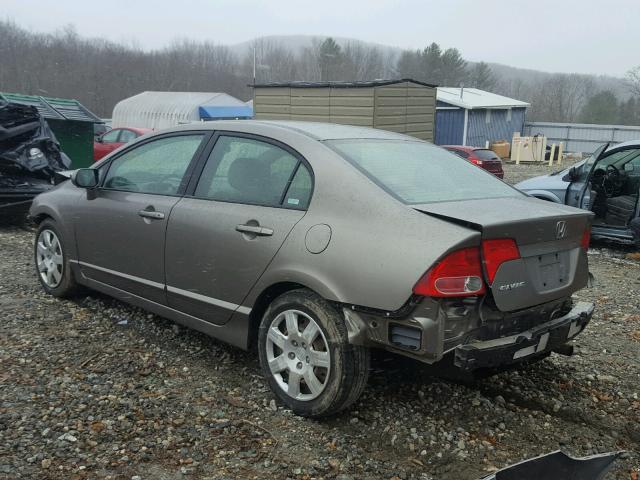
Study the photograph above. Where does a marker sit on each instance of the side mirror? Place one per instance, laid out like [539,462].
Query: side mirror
[85,178]
[99,139]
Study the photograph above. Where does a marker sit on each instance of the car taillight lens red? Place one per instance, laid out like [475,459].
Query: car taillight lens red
[459,274]
[497,251]
[476,161]
[586,238]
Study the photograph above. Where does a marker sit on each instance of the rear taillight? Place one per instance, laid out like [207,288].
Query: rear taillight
[586,238]
[459,274]
[497,251]
[475,161]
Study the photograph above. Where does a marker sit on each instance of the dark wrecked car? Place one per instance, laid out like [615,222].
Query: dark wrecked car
[316,243]
[30,156]
[558,466]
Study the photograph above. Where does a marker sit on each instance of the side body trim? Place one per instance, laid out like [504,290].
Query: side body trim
[178,291]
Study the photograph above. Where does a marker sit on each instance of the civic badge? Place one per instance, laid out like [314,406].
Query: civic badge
[561,229]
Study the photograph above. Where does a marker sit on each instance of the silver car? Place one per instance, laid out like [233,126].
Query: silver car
[607,183]
[317,242]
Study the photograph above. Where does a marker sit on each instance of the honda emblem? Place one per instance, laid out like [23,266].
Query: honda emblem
[561,229]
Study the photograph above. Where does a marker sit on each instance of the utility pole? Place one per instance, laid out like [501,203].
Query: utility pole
[253,90]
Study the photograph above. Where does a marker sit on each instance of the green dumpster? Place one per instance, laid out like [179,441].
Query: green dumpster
[71,122]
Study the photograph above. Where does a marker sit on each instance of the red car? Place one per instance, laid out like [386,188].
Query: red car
[115,138]
[482,157]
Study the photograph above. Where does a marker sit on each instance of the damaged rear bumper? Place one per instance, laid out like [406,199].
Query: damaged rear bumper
[538,340]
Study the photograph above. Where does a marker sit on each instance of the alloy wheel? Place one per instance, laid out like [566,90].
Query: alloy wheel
[298,355]
[49,258]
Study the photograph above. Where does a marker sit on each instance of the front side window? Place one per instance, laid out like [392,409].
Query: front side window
[127,136]
[244,170]
[155,167]
[420,172]
[111,137]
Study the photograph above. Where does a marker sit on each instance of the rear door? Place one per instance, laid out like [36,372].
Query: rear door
[120,226]
[222,236]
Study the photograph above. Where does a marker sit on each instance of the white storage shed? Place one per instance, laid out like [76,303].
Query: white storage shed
[167,109]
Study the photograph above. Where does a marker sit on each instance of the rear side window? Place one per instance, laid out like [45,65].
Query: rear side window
[420,172]
[156,167]
[299,192]
[460,153]
[245,170]
[486,154]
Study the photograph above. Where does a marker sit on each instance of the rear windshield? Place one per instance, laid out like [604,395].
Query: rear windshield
[419,172]
[485,154]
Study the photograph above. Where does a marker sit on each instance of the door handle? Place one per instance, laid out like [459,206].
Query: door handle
[255,229]
[151,214]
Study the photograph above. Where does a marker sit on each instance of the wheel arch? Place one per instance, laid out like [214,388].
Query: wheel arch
[41,217]
[262,302]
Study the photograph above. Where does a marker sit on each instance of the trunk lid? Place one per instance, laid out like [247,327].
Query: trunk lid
[552,263]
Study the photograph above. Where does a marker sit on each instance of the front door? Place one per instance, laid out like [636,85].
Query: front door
[221,238]
[121,226]
[579,191]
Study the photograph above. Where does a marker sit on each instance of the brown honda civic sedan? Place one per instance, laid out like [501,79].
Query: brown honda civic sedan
[316,243]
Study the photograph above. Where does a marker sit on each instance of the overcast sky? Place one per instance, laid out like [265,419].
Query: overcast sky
[587,36]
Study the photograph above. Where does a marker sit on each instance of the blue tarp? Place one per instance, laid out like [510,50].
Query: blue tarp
[213,113]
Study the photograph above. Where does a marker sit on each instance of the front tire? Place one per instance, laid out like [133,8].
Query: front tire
[52,264]
[306,356]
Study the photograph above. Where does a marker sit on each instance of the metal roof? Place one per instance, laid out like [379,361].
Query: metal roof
[54,108]
[165,109]
[470,98]
[336,84]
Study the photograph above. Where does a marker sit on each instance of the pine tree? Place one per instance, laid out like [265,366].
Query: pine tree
[330,60]
[601,108]
[481,76]
[454,68]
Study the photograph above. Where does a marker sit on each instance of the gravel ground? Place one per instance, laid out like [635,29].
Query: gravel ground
[93,388]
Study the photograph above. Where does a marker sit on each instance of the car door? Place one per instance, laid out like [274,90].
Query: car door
[121,226]
[579,191]
[225,231]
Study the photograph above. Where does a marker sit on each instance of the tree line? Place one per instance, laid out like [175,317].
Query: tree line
[99,73]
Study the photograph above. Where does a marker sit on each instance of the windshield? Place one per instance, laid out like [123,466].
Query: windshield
[419,172]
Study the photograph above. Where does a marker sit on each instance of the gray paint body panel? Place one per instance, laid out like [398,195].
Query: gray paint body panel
[214,275]
[205,255]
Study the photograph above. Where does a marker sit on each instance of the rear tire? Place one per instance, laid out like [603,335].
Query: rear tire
[306,356]
[52,263]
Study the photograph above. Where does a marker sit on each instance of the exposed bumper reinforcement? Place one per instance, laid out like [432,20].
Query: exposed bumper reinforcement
[538,340]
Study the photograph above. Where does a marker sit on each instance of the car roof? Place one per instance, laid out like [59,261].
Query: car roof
[466,148]
[139,130]
[629,143]
[315,130]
